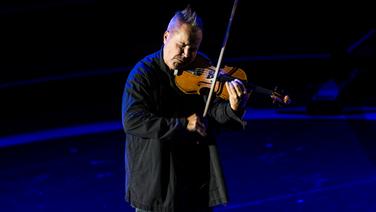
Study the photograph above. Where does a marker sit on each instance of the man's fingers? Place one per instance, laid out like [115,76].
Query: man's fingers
[195,125]
[230,89]
[239,87]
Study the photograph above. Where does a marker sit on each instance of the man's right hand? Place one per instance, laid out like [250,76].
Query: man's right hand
[196,125]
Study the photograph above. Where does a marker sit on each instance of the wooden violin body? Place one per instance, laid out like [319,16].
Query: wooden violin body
[199,80]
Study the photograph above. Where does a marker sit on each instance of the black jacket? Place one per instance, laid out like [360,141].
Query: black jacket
[168,167]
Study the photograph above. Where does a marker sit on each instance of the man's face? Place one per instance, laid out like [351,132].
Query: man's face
[181,46]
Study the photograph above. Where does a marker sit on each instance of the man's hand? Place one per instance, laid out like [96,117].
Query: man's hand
[238,95]
[196,125]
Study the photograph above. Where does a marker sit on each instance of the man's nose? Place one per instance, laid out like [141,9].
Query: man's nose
[186,52]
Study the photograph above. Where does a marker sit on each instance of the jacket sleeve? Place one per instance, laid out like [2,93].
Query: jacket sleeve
[137,112]
[222,113]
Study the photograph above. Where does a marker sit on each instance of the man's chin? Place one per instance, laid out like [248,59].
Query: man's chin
[178,66]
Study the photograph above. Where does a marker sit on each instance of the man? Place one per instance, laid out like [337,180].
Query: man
[170,156]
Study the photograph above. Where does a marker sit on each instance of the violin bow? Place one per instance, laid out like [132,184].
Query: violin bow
[220,58]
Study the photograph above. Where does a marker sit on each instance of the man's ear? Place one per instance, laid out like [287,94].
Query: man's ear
[165,36]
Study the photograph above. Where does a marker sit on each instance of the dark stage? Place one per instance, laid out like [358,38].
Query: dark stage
[276,164]
[63,68]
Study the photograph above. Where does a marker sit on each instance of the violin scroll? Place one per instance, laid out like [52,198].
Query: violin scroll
[280,98]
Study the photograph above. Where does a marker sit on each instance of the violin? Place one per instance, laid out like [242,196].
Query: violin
[199,80]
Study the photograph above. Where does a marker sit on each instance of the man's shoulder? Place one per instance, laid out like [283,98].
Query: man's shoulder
[149,61]
[203,56]
[151,58]
[202,60]
[146,65]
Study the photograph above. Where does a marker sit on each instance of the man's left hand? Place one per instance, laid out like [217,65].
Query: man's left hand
[238,95]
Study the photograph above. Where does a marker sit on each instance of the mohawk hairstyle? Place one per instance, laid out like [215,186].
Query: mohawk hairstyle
[187,16]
